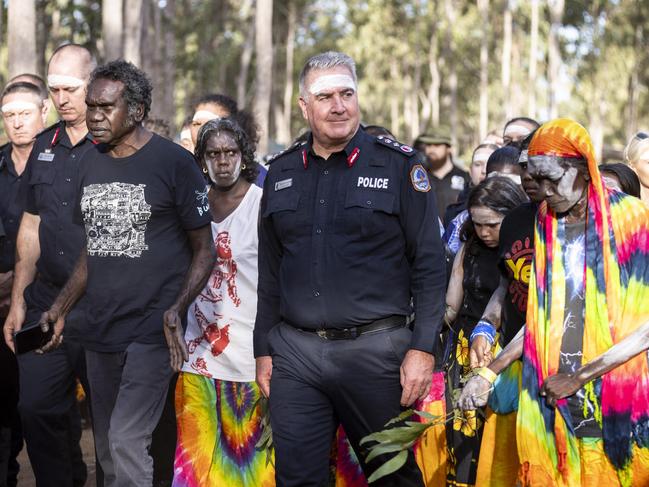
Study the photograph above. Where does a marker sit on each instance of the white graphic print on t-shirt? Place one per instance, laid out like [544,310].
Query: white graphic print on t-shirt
[115,216]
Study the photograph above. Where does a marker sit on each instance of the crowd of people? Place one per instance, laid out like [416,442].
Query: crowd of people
[199,293]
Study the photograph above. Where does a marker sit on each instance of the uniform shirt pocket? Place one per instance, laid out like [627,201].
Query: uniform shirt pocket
[282,207]
[40,181]
[366,213]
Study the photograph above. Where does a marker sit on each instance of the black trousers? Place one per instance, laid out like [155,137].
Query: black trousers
[11,439]
[50,417]
[317,384]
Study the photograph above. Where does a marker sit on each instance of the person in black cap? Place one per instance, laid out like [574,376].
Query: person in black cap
[342,251]
[447,179]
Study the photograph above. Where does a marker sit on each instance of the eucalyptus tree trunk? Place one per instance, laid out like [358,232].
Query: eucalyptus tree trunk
[264,69]
[133,31]
[21,34]
[506,63]
[554,55]
[112,26]
[534,48]
[284,128]
[452,72]
[483,7]
[433,68]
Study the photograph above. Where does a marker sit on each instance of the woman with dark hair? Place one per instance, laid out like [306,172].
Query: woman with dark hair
[219,419]
[501,162]
[621,177]
[475,276]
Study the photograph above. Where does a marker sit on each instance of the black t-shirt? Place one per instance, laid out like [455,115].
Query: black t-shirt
[516,249]
[582,412]
[136,211]
[449,187]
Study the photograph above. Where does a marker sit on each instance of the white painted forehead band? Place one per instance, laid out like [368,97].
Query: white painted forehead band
[64,81]
[331,81]
[18,106]
[202,115]
[513,177]
[517,129]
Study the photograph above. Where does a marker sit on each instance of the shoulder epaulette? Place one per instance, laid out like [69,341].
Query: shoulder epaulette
[288,150]
[395,145]
[51,127]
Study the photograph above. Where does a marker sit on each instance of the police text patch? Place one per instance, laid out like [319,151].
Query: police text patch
[419,178]
[283,184]
[373,183]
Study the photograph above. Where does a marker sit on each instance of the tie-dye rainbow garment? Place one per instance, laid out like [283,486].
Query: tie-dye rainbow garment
[617,303]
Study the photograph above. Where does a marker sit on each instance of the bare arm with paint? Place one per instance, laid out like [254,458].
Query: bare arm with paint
[563,385]
[480,354]
[455,291]
[476,391]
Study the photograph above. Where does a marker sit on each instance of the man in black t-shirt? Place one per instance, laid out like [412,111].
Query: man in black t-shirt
[148,253]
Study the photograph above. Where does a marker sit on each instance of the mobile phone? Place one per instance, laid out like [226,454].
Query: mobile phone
[32,338]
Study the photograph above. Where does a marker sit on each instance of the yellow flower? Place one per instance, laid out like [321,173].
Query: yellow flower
[466,422]
[462,350]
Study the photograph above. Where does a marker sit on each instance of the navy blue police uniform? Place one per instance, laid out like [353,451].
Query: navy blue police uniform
[347,247]
[50,418]
[10,213]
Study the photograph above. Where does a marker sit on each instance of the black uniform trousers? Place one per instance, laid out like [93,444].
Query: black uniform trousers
[318,383]
[11,439]
[48,410]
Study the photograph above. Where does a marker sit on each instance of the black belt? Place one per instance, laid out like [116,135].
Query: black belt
[349,333]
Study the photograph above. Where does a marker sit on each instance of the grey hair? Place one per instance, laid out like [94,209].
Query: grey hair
[326,60]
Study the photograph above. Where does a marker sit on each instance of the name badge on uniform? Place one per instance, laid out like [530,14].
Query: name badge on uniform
[46,156]
[283,184]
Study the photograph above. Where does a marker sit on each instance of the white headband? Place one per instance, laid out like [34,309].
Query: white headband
[517,129]
[18,105]
[64,81]
[201,115]
[513,177]
[480,159]
[185,134]
[329,81]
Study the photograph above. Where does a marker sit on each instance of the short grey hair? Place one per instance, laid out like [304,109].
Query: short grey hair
[326,60]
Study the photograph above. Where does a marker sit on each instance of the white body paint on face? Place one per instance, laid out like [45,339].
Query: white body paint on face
[486,223]
[204,116]
[560,187]
[331,81]
[515,130]
[64,81]
[18,106]
[223,171]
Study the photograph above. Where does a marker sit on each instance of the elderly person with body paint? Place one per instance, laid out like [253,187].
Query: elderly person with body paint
[583,412]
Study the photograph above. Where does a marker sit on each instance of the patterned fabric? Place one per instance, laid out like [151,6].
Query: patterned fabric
[344,463]
[617,303]
[218,428]
[451,236]
[430,450]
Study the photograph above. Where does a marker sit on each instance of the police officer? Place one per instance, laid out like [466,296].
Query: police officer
[48,244]
[23,114]
[347,238]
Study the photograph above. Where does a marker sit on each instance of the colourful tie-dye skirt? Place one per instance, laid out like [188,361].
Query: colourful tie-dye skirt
[218,428]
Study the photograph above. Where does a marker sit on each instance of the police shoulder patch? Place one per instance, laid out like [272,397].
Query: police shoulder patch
[288,150]
[419,178]
[395,145]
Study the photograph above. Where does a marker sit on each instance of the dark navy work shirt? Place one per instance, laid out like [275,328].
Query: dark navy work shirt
[11,208]
[349,240]
[51,192]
